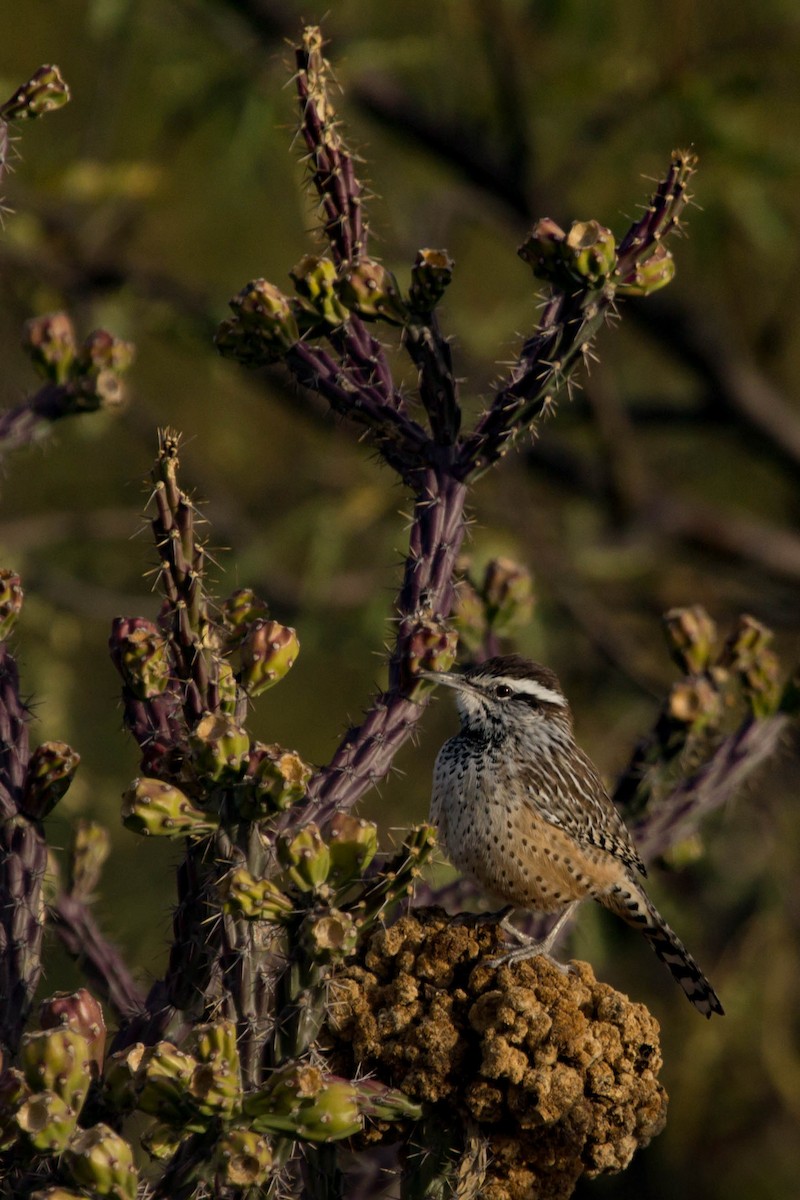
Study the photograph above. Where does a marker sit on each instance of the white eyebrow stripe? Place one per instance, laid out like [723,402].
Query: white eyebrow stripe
[529,687]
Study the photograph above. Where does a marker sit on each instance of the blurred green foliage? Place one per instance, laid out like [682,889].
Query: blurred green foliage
[169,181]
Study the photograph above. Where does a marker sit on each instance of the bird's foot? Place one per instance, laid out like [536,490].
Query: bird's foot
[529,949]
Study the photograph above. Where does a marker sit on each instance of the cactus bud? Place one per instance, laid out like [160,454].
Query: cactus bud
[99,1159]
[692,637]
[267,653]
[274,780]
[14,1092]
[44,92]
[152,807]
[141,655]
[264,325]
[255,899]
[370,290]
[469,616]
[120,1077]
[307,858]
[508,595]
[216,1083]
[163,1082]
[649,275]
[694,702]
[328,936]
[353,844]
[219,747]
[91,846]
[97,368]
[592,251]
[747,652]
[243,1158]
[431,647]
[315,280]
[301,1101]
[57,1193]
[384,1103]
[239,611]
[51,770]
[47,1121]
[161,1141]
[50,343]
[80,1012]
[544,250]
[11,596]
[60,1061]
[430,276]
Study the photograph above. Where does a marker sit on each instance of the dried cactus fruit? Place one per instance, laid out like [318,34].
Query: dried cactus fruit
[47,1122]
[692,638]
[328,936]
[263,328]
[274,779]
[162,1082]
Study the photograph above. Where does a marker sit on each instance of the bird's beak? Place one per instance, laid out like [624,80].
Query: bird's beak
[457,682]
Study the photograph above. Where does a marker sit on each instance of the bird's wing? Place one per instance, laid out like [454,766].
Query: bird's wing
[570,794]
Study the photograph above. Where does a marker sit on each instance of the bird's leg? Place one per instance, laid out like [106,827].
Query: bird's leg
[530,946]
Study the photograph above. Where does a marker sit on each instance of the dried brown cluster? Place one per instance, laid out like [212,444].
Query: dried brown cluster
[560,1072]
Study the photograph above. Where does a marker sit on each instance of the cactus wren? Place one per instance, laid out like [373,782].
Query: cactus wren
[521,809]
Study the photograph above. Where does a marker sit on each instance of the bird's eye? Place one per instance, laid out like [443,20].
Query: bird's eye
[502,691]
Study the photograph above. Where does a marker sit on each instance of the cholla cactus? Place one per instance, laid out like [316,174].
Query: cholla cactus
[290,975]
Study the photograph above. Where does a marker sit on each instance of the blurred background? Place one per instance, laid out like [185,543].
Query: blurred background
[671,478]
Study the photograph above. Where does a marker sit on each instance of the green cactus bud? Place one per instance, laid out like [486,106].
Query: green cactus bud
[396,880]
[154,808]
[91,846]
[240,610]
[47,1121]
[242,1158]
[508,595]
[162,1141]
[301,1101]
[14,1092]
[216,1082]
[80,1012]
[51,769]
[544,250]
[98,1158]
[255,899]
[692,638]
[121,1077]
[163,1080]
[275,779]
[370,290]
[57,1060]
[649,275]
[430,277]
[267,653]
[353,843]
[315,280]
[11,597]
[592,251]
[44,92]
[219,747]
[384,1103]
[264,326]
[51,346]
[141,655]
[328,936]
[747,653]
[307,858]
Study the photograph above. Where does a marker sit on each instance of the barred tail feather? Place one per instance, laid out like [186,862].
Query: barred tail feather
[636,909]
